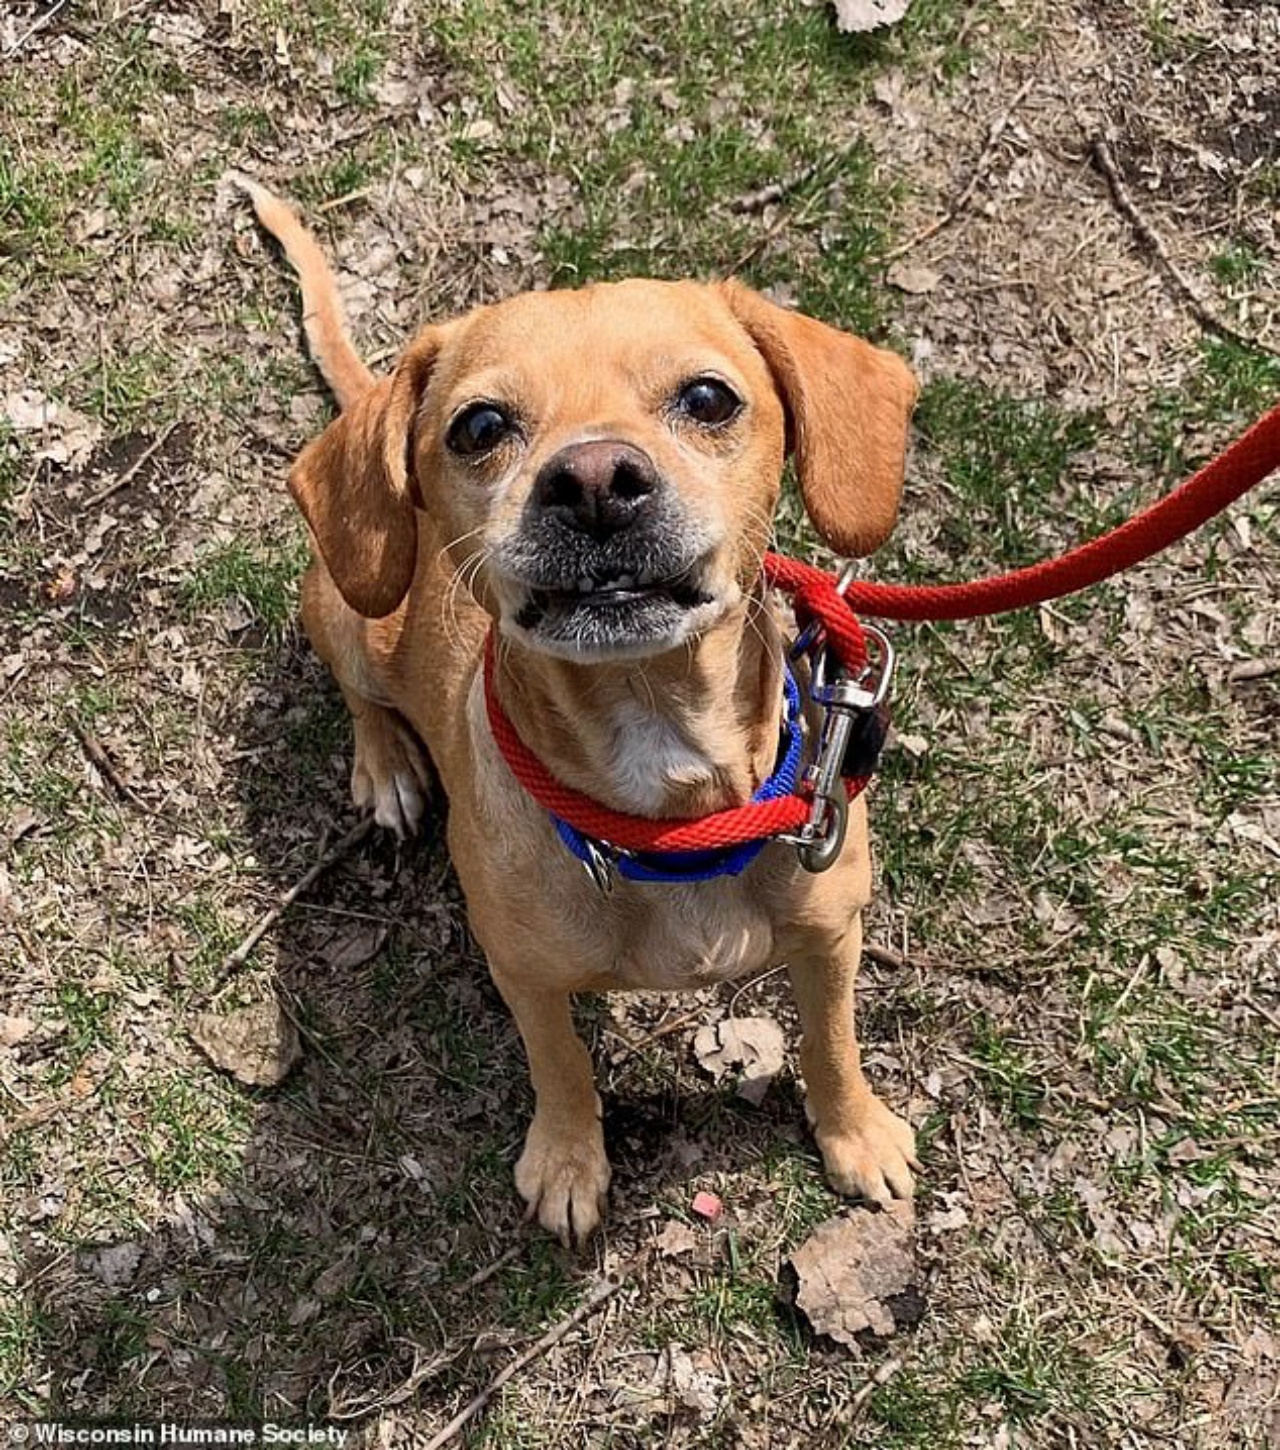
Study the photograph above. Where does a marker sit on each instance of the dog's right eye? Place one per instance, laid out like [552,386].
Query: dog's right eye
[478,429]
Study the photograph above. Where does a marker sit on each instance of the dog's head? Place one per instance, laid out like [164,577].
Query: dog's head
[605,463]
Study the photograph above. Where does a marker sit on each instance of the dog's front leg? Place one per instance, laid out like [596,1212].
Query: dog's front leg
[563,1173]
[866,1149]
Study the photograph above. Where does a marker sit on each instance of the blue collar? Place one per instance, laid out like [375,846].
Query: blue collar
[693,866]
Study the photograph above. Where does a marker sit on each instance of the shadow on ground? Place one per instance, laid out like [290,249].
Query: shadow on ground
[334,1273]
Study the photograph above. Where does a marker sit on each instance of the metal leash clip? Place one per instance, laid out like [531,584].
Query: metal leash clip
[846,702]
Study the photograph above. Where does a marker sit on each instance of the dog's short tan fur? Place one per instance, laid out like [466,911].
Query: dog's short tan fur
[409,575]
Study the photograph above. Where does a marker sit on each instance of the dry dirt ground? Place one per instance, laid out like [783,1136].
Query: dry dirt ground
[1078,825]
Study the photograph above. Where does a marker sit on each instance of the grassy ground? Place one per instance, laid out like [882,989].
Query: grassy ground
[1078,829]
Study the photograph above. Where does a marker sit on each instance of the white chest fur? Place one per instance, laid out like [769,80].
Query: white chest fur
[650,756]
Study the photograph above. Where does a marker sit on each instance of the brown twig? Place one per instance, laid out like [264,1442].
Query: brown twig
[101,762]
[887,957]
[754,201]
[604,1289]
[995,130]
[822,171]
[630,1048]
[1261,1009]
[884,1373]
[1104,161]
[37,25]
[136,467]
[1248,670]
[345,199]
[237,958]
[482,1276]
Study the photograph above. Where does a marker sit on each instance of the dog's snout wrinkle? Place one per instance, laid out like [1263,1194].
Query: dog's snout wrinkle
[598,488]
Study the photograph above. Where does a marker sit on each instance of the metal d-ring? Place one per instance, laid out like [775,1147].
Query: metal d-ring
[820,853]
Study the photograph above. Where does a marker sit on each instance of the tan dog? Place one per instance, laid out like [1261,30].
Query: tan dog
[595,474]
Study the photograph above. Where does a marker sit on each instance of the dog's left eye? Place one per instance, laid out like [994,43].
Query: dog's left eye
[478,429]
[708,401]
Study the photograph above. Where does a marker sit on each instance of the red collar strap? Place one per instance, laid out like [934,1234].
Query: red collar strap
[813,818]
[817,598]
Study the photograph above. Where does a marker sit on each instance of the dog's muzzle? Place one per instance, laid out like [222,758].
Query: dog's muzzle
[605,558]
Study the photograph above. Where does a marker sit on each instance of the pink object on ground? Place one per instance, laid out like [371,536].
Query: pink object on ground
[708,1206]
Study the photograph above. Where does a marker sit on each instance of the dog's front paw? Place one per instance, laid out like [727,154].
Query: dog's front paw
[873,1158]
[390,772]
[563,1175]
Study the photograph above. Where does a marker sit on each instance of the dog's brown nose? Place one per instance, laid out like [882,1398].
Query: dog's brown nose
[597,488]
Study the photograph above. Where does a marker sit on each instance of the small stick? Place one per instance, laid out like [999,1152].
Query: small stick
[236,959]
[136,467]
[482,1276]
[345,199]
[822,170]
[37,25]
[630,1048]
[994,132]
[753,201]
[882,1376]
[601,1291]
[101,762]
[887,957]
[1103,159]
[1261,1009]
[1253,670]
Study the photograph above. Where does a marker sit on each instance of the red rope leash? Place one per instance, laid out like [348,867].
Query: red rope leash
[1233,473]
[1246,463]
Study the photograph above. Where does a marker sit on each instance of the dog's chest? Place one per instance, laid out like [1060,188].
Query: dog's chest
[664,937]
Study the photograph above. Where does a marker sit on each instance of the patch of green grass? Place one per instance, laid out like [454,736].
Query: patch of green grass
[728,1303]
[1170,36]
[245,123]
[1006,462]
[123,389]
[352,172]
[212,935]
[261,576]
[1237,264]
[24,202]
[193,1130]
[1013,1082]
[13,468]
[86,1009]
[1039,1369]
[647,109]
[1232,386]
[911,1414]
[22,1329]
[540,1289]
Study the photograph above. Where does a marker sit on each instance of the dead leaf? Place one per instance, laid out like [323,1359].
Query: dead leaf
[13,1030]
[850,1268]
[28,410]
[353,946]
[854,15]
[916,280]
[753,1044]
[257,1045]
[675,1239]
[114,1264]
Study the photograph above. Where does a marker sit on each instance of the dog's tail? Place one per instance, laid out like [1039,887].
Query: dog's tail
[331,349]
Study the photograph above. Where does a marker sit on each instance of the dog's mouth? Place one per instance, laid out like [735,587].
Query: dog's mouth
[616,612]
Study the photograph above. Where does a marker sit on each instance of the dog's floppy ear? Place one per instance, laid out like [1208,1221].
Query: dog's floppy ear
[848,408]
[355,487]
